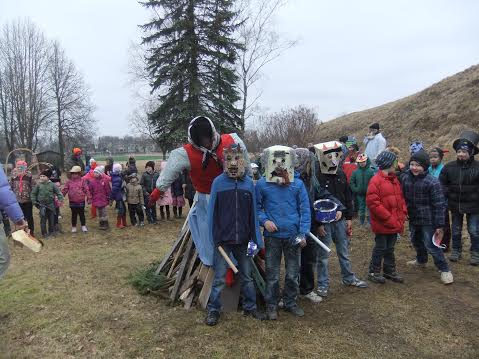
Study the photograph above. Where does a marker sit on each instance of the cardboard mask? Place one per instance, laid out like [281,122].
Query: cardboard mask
[279,164]
[329,155]
[234,163]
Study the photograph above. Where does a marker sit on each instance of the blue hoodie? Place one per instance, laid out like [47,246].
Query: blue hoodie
[232,217]
[287,206]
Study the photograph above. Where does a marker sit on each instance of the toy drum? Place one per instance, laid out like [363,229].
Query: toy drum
[325,210]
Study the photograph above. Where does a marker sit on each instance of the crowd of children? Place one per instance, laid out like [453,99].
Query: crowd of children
[97,186]
[280,194]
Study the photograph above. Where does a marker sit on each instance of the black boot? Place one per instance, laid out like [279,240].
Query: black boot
[376,277]
[180,212]
[212,318]
[394,276]
[255,313]
[175,211]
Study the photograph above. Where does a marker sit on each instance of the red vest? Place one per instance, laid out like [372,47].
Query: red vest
[202,179]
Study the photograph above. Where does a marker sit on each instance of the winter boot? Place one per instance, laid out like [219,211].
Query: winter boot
[93,212]
[447,278]
[175,211]
[212,318]
[168,215]
[107,225]
[162,214]
[394,276]
[376,278]
[455,255]
[102,225]
[180,212]
[474,258]
[119,224]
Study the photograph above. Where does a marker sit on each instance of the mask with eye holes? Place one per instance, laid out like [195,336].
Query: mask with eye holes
[279,164]
[234,162]
[329,155]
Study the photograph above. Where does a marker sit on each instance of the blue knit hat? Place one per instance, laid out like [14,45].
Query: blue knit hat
[415,147]
[385,160]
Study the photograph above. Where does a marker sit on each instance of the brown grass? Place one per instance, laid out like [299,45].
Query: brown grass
[72,300]
[435,115]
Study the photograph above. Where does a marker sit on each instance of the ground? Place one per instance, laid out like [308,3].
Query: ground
[73,300]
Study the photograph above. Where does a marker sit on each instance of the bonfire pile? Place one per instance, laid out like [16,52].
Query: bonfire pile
[189,281]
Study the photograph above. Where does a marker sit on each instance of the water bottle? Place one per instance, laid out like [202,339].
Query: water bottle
[251,250]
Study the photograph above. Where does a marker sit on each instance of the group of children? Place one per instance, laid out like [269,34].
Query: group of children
[99,187]
[284,202]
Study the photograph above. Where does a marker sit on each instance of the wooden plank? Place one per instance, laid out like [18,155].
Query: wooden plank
[206,290]
[189,300]
[185,294]
[168,255]
[192,264]
[230,297]
[190,280]
[177,256]
[181,271]
[203,272]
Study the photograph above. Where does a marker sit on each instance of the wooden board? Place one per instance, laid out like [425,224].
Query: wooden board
[168,255]
[230,297]
[181,271]
[177,257]
[206,290]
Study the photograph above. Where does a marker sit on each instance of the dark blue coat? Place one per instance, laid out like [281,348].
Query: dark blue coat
[232,217]
[116,187]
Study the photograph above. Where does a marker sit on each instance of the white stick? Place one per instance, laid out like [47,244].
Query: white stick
[321,244]
[227,259]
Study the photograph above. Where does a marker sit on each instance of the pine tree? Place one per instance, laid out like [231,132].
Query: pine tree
[190,61]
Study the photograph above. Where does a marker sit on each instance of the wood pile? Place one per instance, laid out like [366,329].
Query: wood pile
[191,281]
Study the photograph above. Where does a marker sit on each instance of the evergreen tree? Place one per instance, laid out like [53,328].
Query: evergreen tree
[190,62]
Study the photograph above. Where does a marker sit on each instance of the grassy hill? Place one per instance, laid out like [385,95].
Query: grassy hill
[435,115]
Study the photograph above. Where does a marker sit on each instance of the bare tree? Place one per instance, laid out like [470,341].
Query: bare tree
[297,126]
[70,98]
[261,45]
[23,83]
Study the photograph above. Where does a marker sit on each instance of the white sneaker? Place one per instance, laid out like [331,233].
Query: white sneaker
[446,277]
[313,297]
[74,229]
[84,229]
[415,263]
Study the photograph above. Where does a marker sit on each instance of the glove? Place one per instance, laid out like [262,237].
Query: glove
[155,195]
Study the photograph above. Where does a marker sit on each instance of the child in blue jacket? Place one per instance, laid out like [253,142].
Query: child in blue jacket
[233,224]
[284,212]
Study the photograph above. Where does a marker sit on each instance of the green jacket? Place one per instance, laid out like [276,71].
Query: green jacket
[44,193]
[360,179]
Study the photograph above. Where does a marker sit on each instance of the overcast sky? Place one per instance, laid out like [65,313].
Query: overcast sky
[351,55]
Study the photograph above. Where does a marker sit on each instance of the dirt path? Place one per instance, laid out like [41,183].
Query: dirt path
[72,301]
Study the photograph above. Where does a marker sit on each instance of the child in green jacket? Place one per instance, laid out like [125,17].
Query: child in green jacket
[359,184]
[43,197]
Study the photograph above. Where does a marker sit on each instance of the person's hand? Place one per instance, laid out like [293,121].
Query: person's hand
[349,226]
[270,226]
[439,234]
[322,231]
[339,214]
[22,224]
[303,243]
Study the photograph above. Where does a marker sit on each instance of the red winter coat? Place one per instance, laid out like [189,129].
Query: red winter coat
[386,204]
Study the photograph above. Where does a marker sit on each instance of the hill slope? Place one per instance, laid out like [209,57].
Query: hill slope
[435,115]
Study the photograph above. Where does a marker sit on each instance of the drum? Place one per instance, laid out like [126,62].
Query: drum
[325,210]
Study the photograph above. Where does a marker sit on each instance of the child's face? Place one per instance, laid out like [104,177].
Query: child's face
[75,175]
[463,155]
[134,180]
[434,159]
[149,169]
[43,178]
[362,164]
[416,168]
[97,174]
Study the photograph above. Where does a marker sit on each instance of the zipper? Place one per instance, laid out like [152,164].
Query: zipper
[460,187]
[236,212]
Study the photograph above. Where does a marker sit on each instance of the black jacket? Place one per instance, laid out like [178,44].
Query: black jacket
[460,181]
[338,186]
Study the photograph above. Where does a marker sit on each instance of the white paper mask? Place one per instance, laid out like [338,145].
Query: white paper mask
[329,156]
[279,164]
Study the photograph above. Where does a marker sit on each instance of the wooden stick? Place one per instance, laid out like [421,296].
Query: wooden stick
[177,256]
[168,255]
[228,260]
[181,271]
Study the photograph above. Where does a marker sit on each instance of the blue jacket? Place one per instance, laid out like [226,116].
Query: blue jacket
[288,207]
[116,187]
[8,200]
[424,198]
[232,217]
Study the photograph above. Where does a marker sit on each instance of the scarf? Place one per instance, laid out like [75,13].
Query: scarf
[207,153]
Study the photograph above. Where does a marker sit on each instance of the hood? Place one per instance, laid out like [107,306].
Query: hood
[207,126]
